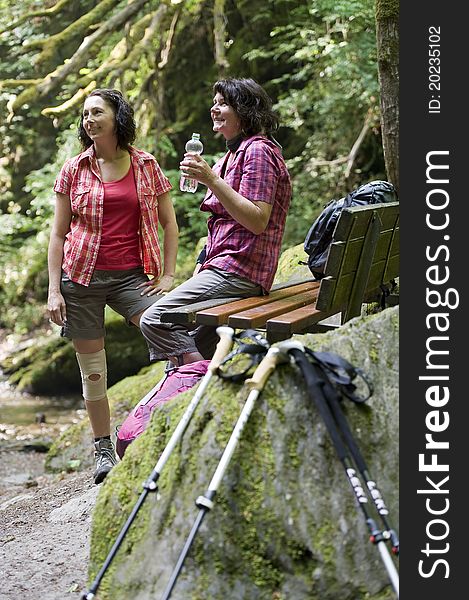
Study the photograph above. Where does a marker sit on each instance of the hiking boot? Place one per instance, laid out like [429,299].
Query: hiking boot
[105,459]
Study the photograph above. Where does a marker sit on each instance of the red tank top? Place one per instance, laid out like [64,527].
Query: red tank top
[120,248]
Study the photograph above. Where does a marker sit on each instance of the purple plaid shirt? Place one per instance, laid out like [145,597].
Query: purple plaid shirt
[258,172]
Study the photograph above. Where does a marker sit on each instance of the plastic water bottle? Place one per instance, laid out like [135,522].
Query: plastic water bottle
[194,145]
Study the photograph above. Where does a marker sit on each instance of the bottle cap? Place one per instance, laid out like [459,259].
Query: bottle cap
[196,135]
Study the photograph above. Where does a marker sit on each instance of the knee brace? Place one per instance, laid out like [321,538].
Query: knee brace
[93,375]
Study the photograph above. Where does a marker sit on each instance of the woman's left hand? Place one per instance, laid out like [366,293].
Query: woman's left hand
[157,285]
[195,167]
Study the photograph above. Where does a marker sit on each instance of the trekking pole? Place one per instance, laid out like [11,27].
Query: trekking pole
[150,485]
[336,370]
[333,368]
[371,485]
[377,536]
[275,355]
[319,388]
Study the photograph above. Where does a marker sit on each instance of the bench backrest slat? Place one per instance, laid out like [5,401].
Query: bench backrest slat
[349,249]
[353,222]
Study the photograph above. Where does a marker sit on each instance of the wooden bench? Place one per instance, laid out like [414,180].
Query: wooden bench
[363,258]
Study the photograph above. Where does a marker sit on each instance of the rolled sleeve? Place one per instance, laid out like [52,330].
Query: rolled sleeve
[63,183]
[162,183]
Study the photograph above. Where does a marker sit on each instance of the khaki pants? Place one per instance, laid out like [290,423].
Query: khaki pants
[173,339]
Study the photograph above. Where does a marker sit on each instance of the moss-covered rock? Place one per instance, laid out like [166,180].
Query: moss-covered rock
[290,265]
[284,525]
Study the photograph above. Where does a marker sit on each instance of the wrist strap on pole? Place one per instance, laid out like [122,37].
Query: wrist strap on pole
[253,346]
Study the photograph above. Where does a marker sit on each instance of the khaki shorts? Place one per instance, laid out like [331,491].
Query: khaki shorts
[86,304]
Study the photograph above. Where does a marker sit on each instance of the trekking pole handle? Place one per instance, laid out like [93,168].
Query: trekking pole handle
[288,345]
[276,354]
[223,347]
[263,371]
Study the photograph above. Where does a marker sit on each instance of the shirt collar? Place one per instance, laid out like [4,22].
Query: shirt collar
[247,141]
[259,136]
[88,153]
[233,144]
[91,154]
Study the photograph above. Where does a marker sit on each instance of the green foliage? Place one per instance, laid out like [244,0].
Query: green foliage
[323,99]
[23,246]
[191,221]
[317,60]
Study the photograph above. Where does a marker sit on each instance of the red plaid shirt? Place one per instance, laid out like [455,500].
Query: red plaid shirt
[258,172]
[80,179]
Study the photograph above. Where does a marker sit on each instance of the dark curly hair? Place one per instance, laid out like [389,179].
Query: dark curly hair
[251,103]
[124,114]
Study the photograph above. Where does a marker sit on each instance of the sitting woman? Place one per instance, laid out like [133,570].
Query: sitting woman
[248,196]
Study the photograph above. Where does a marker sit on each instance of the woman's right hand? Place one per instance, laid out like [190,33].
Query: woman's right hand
[195,167]
[56,308]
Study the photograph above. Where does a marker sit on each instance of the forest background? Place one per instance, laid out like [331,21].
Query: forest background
[329,65]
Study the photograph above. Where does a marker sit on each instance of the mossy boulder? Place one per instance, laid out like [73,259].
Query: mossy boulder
[284,525]
[290,265]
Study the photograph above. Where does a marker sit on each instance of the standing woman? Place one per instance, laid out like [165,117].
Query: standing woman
[248,196]
[104,243]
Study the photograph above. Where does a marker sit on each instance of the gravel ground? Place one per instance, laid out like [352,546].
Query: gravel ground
[45,519]
[44,529]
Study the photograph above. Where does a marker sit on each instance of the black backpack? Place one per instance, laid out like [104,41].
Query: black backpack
[319,237]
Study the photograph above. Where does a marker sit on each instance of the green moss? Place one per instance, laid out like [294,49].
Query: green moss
[70,438]
[322,538]
[373,354]
[290,267]
[387,9]
[52,45]
[246,504]
[253,542]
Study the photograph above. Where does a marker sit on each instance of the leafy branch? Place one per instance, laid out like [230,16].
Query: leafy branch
[352,155]
[54,79]
[46,12]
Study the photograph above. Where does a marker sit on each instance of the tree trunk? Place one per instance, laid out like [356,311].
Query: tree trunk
[219,35]
[387,38]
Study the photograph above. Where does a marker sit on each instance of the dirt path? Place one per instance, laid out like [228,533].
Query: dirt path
[44,529]
[44,519]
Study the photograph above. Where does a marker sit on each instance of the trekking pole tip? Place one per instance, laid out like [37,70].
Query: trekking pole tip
[87,596]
